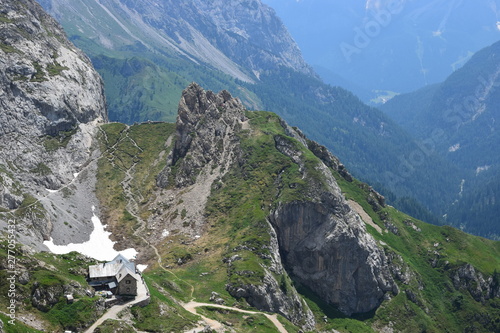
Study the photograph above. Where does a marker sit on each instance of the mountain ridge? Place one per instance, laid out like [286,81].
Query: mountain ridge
[185,37]
[276,228]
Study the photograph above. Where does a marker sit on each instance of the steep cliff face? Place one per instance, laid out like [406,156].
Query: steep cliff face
[44,73]
[325,244]
[326,247]
[206,129]
[248,32]
[51,101]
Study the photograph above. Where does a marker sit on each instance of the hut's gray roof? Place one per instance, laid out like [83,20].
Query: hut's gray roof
[122,260]
[104,270]
[111,268]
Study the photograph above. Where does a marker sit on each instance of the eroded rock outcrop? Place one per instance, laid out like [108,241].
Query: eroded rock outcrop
[205,133]
[480,287]
[205,145]
[325,245]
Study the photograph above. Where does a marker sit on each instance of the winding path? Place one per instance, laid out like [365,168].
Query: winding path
[191,307]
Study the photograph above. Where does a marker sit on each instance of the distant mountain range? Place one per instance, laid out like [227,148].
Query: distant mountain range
[375,46]
[162,46]
[463,115]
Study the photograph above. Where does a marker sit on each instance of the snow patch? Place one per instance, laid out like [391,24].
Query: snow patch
[462,183]
[52,191]
[165,233]
[141,268]
[481,169]
[99,246]
[76,174]
[454,148]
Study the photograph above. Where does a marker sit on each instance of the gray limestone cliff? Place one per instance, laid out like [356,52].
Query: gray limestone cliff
[324,243]
[51,101]
[205,133]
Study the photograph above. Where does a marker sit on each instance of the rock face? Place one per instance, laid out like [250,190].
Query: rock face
[326,248]
[43,75]
[248,32]
[206,127]
[325,245]
[271,296]
[51,102]
[481,288]
[205,147]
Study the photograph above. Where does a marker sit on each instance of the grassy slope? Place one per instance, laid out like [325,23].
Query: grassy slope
[120,153]
[237,210]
